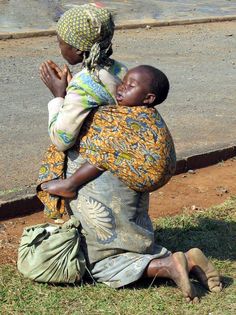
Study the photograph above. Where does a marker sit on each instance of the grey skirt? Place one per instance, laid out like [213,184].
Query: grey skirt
[117,231]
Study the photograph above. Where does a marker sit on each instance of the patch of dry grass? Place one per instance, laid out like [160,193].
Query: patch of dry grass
[213,230]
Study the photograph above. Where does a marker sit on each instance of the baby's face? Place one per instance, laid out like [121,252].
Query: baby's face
[134,88]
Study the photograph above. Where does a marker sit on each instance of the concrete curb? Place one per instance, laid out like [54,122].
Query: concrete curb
[27,202]
[131,24]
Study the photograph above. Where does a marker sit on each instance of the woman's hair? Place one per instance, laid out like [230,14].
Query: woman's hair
[88,28]
[159,83]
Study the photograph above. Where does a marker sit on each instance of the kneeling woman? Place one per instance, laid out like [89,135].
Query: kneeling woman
[118,237]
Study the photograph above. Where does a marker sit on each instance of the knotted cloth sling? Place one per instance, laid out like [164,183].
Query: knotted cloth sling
[52,254]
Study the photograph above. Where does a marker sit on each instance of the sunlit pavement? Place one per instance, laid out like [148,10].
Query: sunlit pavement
[33,15]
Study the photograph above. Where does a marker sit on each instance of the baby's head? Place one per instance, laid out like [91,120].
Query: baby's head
[143,85]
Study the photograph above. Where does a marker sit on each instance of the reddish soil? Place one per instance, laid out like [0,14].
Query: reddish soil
[194,190]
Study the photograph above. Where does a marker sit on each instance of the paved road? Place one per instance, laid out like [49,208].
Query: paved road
[200,111]
[31,14]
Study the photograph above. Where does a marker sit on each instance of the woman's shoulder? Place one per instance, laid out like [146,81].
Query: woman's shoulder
[116,70]
[82,79]
[80,74]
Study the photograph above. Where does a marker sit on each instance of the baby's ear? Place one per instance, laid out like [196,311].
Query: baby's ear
[149,99]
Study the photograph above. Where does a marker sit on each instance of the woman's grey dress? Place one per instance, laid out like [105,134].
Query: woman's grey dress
[117,230]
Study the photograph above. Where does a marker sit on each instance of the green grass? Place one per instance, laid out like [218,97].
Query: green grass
[213,230]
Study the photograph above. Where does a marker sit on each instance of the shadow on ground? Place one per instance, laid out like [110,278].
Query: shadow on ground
[216,238]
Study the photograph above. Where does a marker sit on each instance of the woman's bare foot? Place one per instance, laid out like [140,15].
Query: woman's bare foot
[181,278]
[204,271]
[174,267]
[59,187]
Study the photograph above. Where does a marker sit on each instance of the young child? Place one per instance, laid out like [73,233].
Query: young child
[130,139]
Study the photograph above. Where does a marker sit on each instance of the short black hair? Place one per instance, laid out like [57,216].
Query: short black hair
[159,83]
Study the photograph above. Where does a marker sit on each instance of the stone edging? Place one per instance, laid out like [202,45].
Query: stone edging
[29,203]
[131,24]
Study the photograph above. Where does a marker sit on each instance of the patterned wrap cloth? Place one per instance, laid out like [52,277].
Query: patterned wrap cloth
[88,28]
[133,143]
[53,166]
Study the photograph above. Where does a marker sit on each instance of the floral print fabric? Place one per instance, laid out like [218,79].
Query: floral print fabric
[52,167]
[133,143]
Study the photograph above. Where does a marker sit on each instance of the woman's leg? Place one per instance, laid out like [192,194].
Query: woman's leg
[203,270]
[174,267]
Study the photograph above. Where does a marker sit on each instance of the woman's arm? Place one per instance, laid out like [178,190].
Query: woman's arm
[57,80]
[67,113]
[66,117]
[68,109]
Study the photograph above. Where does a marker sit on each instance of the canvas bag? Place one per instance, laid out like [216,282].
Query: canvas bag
[51,253]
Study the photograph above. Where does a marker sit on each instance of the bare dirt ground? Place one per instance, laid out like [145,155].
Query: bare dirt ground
[195,190]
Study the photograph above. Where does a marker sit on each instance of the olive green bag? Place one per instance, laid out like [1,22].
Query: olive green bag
[52,253]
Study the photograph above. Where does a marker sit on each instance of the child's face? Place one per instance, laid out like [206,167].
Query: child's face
[134,89]
[69,53]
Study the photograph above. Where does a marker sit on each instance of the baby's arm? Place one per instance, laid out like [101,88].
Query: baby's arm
[68,187]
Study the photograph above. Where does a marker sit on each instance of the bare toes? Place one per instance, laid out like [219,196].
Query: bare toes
[182,278]
[216,288]
[203,270]
[195,300]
